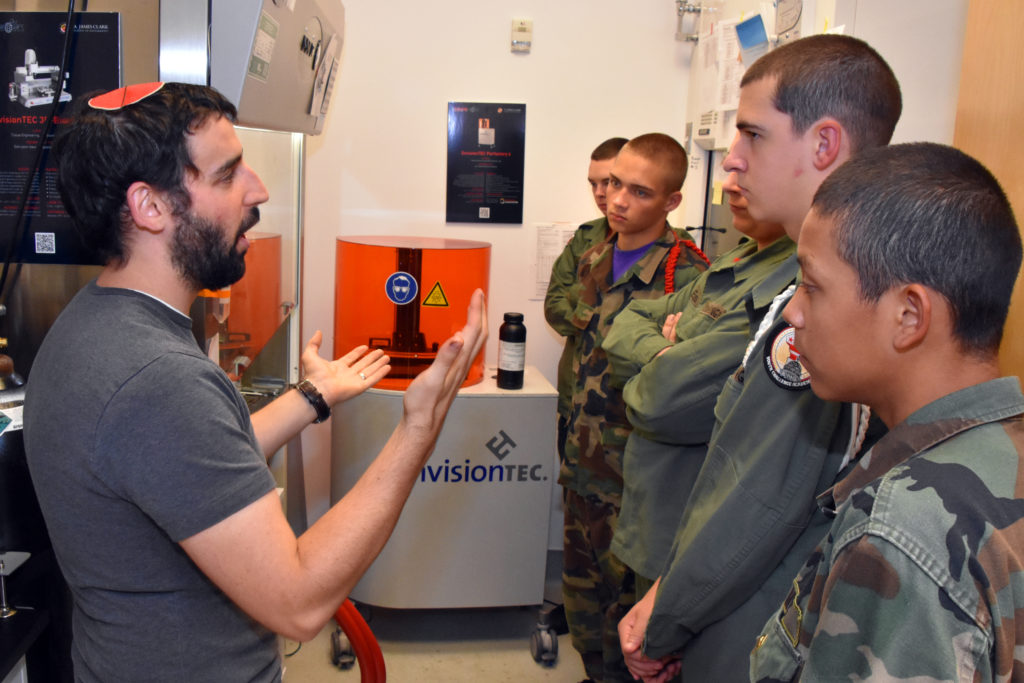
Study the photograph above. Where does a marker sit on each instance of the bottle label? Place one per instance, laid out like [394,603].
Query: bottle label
[511,356]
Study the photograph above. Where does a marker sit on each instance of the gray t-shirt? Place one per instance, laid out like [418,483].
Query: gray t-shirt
[135,441]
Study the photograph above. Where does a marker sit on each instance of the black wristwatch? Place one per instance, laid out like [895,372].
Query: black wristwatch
[312,394]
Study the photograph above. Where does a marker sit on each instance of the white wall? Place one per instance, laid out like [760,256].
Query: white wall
[923,41]
[598,68]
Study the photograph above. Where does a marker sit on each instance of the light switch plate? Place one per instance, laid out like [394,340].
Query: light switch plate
[522,35]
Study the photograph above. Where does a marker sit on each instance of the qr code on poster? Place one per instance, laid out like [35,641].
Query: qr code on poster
[485,212]
[46,243]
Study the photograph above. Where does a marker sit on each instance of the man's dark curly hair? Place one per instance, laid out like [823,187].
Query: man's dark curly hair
[101,153]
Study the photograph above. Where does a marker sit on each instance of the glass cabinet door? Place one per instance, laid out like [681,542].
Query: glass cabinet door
[245,327]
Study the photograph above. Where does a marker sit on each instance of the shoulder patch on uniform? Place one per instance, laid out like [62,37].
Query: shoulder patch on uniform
[782,361]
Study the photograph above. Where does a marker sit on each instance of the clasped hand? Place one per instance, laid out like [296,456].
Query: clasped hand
[631,636]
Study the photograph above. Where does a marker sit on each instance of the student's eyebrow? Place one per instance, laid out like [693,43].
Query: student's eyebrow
[804,262]
[746,125]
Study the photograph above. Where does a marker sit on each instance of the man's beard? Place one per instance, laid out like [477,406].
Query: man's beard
[201,255]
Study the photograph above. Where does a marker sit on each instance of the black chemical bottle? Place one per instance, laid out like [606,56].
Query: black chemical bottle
[511,352]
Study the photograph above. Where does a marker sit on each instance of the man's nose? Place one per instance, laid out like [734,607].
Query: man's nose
[258,191]
[733,160]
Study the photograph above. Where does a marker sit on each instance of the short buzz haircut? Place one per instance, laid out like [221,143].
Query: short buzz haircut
[607,149]
[928,214]
[664,150]
[102,152]
[833,76]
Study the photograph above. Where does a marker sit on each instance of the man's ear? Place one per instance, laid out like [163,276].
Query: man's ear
[829,140]
[673,201]
[148,206]
[913,316]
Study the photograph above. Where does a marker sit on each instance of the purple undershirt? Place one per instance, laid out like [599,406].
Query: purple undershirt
[623,259]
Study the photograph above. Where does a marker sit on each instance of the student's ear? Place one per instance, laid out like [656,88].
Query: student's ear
[828,138]
[913,316]
[148,206]
[673,201]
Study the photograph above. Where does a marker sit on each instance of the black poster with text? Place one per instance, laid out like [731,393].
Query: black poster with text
[31,47]
[485,162]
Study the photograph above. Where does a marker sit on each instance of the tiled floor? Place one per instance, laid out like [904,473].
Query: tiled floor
[424,646]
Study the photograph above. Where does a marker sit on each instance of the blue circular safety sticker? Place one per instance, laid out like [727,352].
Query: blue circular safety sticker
[401,288]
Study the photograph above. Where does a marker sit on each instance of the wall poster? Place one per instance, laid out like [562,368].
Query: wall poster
[485,162]
[31,46]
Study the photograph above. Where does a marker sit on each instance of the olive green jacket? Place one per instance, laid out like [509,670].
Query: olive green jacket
[670,399]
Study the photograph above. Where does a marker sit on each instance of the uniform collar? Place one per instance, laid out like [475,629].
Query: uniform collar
[601,222]
[772,255]
[929,426]
[782,277]
[646,269]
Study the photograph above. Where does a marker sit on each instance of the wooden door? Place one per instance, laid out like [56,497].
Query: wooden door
[990,110]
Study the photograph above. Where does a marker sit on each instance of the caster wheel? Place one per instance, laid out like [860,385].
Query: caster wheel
[342,655]
[544,646]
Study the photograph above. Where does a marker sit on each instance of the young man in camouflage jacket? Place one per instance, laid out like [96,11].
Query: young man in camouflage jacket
[559,301]
[909,256]
[642,258]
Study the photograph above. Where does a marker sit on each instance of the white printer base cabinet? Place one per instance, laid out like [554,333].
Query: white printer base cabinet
[474,532]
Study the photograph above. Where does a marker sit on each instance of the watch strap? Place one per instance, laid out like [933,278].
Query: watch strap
[316,399]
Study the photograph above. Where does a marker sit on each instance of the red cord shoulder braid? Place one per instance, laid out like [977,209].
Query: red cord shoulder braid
[673,258]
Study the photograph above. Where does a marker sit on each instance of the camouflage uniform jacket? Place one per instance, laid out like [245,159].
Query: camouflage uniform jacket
[922,573]
[670,399]
[597,423]
[560,300]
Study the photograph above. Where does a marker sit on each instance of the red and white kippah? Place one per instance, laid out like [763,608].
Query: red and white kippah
[122,97]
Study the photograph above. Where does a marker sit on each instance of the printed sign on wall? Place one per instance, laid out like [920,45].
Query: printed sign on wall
[485,162]
[31,47]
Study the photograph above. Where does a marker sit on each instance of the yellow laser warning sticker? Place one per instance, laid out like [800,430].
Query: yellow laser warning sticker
[436,297]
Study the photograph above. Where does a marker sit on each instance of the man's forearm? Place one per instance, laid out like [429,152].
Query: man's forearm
[336,551]
[291,585]
[282,419]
